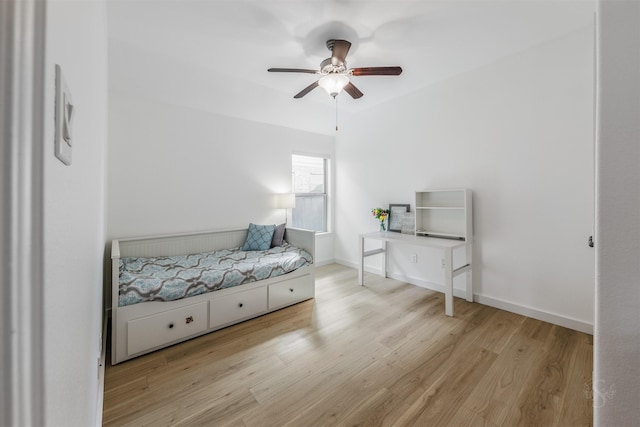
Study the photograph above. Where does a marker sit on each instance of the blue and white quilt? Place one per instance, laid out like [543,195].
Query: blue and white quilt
[174,277]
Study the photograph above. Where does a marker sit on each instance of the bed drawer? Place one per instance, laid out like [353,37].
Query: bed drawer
[290,292]
[238,306]
[163,328]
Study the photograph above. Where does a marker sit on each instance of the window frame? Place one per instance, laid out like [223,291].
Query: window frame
[326,195]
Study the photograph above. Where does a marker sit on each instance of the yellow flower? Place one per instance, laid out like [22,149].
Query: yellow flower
[380,214]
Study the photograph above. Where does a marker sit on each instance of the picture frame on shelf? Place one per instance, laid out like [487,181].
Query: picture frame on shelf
[409,223]
[396,214]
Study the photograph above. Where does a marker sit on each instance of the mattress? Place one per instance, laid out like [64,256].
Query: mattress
[170,278]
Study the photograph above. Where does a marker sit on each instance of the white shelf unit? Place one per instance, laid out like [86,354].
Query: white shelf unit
[444,214]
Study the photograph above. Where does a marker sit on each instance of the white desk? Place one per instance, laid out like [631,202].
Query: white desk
[446,245]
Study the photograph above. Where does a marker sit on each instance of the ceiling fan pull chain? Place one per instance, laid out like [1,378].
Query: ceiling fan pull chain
[336,98]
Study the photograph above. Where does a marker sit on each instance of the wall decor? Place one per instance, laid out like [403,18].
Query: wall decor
[396,214]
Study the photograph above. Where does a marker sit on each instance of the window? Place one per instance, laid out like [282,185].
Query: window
[310,186]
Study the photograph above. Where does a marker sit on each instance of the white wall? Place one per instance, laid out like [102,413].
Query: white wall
[175,169]
[517,132]
[74,215]
[616,381]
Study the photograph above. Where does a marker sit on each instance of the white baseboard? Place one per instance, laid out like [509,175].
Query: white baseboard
[347,263]
[460,293]
[556,319]
[325,262]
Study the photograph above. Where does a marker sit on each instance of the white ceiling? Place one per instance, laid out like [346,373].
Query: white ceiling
[236,41]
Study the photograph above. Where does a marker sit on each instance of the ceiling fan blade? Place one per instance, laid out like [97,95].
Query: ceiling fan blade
[376,71]
[306,90]
[339,51]
[353,91]
[292,70]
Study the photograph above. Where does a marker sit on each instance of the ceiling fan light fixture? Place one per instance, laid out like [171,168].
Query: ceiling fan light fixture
[333,83]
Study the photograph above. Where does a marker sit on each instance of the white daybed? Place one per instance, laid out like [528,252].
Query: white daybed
[144,327]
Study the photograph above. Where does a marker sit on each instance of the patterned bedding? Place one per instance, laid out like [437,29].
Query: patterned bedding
[174,277]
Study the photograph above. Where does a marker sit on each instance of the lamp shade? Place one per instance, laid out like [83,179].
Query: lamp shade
[333,83]
[285,201]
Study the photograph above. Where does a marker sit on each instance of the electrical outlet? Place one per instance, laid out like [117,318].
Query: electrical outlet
[414,258]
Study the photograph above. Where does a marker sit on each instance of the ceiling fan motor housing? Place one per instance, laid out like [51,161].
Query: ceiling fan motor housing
[326,67]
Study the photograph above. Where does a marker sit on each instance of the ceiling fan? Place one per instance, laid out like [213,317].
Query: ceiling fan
[335,74]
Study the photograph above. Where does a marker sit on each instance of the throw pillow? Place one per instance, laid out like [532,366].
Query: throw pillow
[278,236]
[259,237]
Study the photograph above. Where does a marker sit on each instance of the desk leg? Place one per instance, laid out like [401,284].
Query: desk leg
[448,282]
[383,264]
[361,263]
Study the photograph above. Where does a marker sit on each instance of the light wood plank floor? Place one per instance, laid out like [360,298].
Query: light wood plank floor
[383,354]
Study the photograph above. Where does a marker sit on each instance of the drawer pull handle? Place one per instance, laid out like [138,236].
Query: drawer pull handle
[240,305]
[189,319]
[290,289]
[170,325]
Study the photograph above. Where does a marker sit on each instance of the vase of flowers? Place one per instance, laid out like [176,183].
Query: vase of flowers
[381,215]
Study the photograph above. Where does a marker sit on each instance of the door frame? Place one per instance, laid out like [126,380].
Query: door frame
[22,90]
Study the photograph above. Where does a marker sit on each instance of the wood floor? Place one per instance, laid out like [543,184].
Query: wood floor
[383,354]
